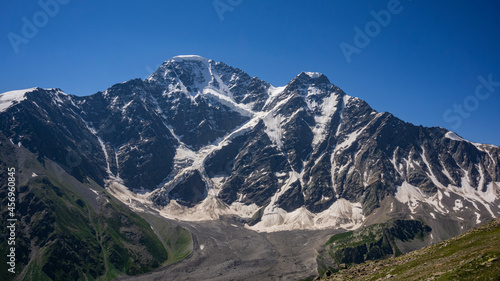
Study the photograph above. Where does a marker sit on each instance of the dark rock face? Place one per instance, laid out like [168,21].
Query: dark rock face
[244,89]
[249,171]
[189,191]
[374,242]
[139,147]
[47,123]
[293,198]
[196,126]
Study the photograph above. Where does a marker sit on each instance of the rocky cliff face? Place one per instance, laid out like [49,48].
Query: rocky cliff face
[203,139]
[377,241]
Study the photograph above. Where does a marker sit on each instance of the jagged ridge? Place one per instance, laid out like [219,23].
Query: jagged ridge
[305,155]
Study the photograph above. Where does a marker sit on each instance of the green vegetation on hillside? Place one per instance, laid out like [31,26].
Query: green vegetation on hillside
[65,239]
[373,242]
[65,231]
[474,255]
[177,240]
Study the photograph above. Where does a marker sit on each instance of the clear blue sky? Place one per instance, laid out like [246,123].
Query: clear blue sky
[425,60]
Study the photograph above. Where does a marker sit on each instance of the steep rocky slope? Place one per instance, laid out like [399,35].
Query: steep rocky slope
[67,229]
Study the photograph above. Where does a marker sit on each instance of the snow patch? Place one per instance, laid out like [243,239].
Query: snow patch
[184,154]
[8,99]
[411,195]
[217,183]
[101,143]
[188,58]
[453,136]
[328,107]
[458,205]
[353,136]
[313,74]
[227,101]
[273,93]
[273,128]
[430,173]
[478,216]
[480,146]
[349,141]
[472,195]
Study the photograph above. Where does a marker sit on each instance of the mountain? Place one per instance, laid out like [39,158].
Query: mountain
[66,229]
[201,140]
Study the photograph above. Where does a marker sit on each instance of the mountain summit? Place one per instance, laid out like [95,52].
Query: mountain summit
[201,140]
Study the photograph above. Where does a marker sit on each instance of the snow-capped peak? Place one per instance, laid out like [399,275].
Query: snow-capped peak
[192,73]
[188,58]
[8,99]
[313,74]
[303,79]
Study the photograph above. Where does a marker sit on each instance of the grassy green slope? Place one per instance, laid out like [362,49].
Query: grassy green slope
[177,240]
[474,255]
[373,242]
[66,232]
[66,239]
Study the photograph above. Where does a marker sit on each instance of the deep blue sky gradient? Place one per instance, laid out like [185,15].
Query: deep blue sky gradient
[423,62]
